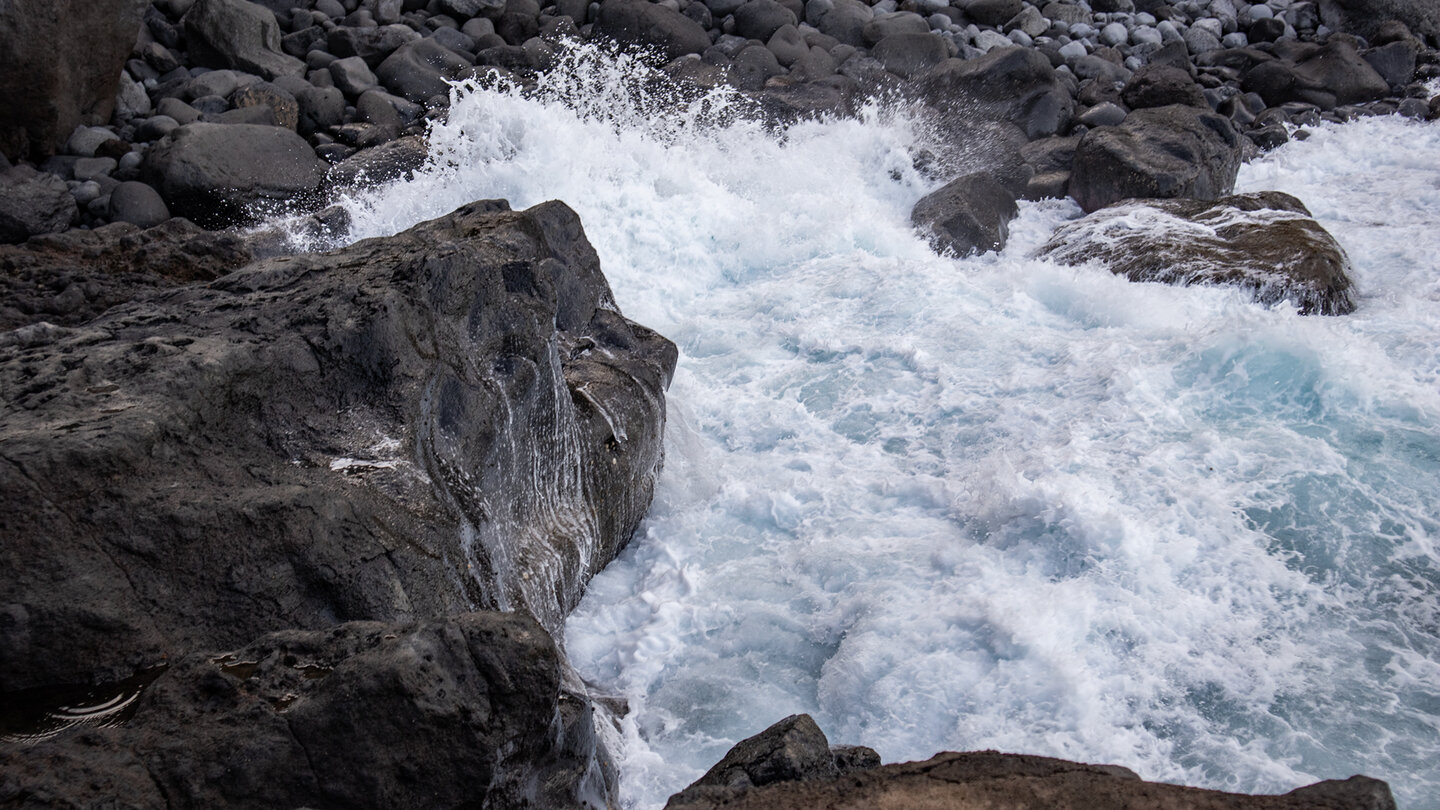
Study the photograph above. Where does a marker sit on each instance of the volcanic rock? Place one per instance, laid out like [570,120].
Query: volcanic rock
[225,174]
[466,711]
[137,204]
[1174,151]
[421,70]
[1017,85]
[638,22]
[33,202]
[1266,242]
[238,34]
[68,278]
[970,214]
[792,750]
[61,68]
[1365,17]
[415,426]
[991,779]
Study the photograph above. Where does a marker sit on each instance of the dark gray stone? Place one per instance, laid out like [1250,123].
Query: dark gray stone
[422,69]
[908,55]
[1395,62]
[468,711]
[845,21]
[390,161]
[1265,242]
[282,105]
[220,175]
[760,19]
[1161,86]
[137,204]
[61,68]
[993,13]
[1017,85]
[33,203]
[640,23]
[238,34]
[352,76]
[1174,151]
[71,277]
[1366,17]
[372,45]
[900,22]
[792,750]
[970,214]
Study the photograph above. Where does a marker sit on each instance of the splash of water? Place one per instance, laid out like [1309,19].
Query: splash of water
[994,502]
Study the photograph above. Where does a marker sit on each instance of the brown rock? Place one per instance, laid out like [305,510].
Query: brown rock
[1266,242]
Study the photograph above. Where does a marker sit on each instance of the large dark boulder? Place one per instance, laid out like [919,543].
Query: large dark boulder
[68,278]
[760,19]
[992,779]
[1367,17]
[452,418]
[60,68]
[1338,75]
[421,70]
[1174,151]
[468,711]
[238,34]
[227,174]
[970,214]
[32,203]
[1016,85]
[1161,86]
[1266,242]
[638,22]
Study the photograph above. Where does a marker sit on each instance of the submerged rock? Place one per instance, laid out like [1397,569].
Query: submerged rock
[1266,242]
[456,417]
[468,711]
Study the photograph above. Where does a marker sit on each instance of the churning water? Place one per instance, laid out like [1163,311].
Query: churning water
[993,502]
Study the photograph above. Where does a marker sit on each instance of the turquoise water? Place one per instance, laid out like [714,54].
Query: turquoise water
[994,503]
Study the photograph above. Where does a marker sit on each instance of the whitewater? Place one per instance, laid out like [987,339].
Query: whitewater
[992,502]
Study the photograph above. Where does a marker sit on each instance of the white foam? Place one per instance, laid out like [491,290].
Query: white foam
[996,502]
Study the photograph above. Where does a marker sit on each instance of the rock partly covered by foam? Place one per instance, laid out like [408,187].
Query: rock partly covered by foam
[980,779]
[467,711]
[454,417]
[970,214]
[1265,242]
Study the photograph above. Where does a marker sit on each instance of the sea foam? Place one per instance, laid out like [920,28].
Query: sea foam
[992,502]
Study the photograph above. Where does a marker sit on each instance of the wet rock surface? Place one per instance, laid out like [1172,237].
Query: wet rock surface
[978,779]
[465,711]
[1264,242]
[453,418]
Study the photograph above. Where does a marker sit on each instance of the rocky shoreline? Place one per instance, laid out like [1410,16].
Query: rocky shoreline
[301,530]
